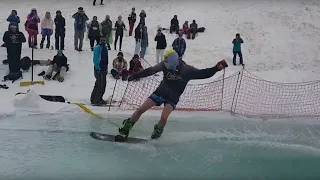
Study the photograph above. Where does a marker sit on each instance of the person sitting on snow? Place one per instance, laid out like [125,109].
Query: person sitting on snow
[193,29]
[59,65]
[120,67]
[135,65]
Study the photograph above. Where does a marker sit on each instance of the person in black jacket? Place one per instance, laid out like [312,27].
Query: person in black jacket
[13,38]
[138,38]
[94,33]
[193,29]
[161,45]
[60,24]
[59,65]
[132,18]
[174,25]
[120,26]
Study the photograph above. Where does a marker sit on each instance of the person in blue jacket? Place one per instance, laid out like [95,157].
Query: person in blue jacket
[14,18]
[100,60]
[237,48]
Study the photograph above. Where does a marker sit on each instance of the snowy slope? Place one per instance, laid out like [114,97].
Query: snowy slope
[281,40]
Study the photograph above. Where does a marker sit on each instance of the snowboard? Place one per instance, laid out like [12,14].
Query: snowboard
[50,98]
[109,137]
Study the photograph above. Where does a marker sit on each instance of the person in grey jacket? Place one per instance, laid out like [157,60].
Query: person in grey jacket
[80,20]
[106,29]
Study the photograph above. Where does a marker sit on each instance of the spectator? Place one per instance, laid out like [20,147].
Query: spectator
[144,41]
[106,29]
[79,28]
[94,32]
[100,60]
[46,29]
[143,16]
[31,26]
[13,39]
[60,24]
[161,45]
[135,65]
[179,45]
[14,18]
[120,67]
[174,25]
[94,2]
[237,48]
[120,26]
[193,29]
[59,65]
[132,20]
[138,37]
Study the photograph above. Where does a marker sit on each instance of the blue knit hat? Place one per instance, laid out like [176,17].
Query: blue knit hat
[172,61]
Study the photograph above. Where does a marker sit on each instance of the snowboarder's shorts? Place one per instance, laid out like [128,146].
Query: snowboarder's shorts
[159,101]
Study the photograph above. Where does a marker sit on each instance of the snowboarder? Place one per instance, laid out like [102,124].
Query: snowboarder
[237,49]
[60,33]
[176,76]
[100,60]
[80,18]
[46,29]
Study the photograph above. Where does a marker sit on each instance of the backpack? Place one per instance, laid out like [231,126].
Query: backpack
[25,63]
[13,76]
[201,30]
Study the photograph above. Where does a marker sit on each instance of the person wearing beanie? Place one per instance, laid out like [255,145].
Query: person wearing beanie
[176,75]
[120,66]
[60,32]
[58,65]
[100,61]
[13,39]
[135,65]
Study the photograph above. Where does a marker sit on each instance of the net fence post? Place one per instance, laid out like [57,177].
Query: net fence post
[114,88]
[222,89]
[238,89]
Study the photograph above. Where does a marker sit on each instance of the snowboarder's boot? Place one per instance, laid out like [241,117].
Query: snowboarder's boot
[124,131]
[156,132]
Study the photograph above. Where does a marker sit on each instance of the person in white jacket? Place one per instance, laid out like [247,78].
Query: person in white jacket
[46,29]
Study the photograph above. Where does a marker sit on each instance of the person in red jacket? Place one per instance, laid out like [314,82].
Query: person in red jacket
[135,65]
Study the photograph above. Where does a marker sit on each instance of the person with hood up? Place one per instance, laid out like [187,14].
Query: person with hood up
[138,36]
[14,18]
[46,29]
[60,33]
[144,41]
[94,32]
[179,45]
[161,45]
[100,61]
[174,25]
[193,29]
[32,28]
[59,65]
[120,66]
[143,16]
[176,75]
[132,20]
[13,39]
[135,65]
[106,29]
[80,20]
[120,27]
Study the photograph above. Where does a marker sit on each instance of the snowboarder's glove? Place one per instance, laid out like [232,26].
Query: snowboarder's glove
[60,79]
[222,64]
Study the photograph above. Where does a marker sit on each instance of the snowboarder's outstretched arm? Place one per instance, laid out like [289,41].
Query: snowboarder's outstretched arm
[194,73]
[148,72]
